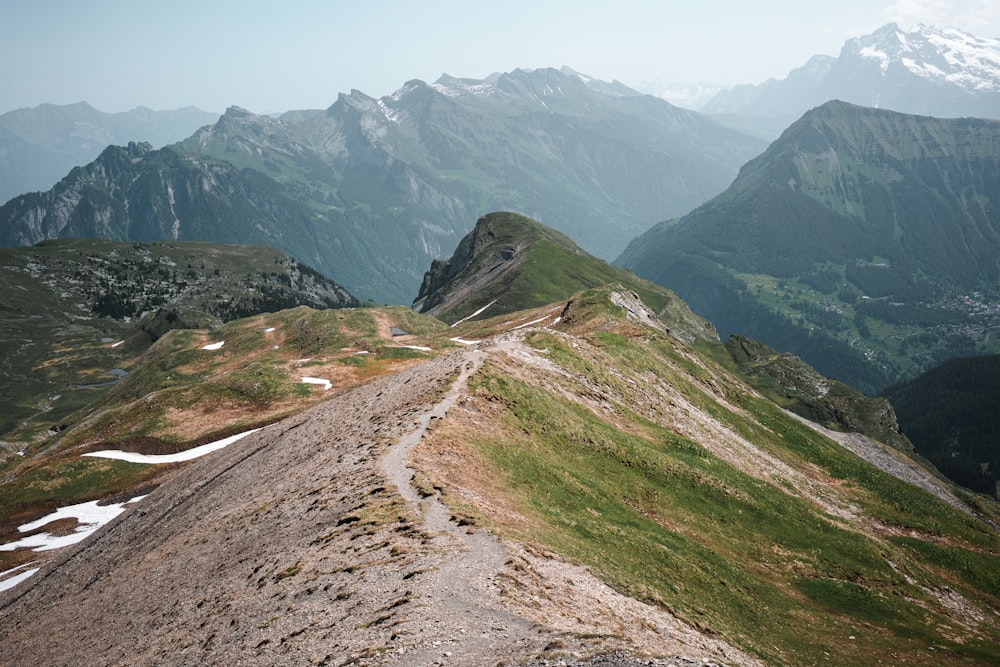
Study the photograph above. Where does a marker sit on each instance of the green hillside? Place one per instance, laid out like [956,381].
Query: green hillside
[864,241]
[509,263]
[72,310]
[620,447]
[593,429]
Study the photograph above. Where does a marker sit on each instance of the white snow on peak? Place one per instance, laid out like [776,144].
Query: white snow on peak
[939,54]
[872,53]
[451,87]
[974,62]
[407,88]
[392,115]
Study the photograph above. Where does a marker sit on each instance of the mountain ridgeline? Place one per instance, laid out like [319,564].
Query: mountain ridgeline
[926,71]
[509,263]
[39,146]
[647,499]
[369,191]
[862,240]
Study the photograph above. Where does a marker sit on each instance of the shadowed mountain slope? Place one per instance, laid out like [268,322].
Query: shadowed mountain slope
[952,415]
[864,241]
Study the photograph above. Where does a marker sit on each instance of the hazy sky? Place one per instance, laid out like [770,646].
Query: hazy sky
[291,54]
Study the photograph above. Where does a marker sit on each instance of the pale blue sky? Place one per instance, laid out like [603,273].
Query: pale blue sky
[275,56]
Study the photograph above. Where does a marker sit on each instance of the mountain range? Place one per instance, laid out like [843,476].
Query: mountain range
[370,190]
[575,478]
[863,240]
[927,71]
[38,146]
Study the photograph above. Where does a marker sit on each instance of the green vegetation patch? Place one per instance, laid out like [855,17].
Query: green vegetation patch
[661,519]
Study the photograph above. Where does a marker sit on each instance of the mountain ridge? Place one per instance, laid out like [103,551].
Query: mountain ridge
[927,71]
[38,146]
[371,190]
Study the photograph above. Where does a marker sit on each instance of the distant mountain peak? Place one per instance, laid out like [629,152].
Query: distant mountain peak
[939,54]
[451,86]
[927,71]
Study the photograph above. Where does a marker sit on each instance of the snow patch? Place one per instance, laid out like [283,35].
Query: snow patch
[528,324]
[213,346]
[462,341]
[186,455]
[469,317]
[326,384]
[872,53]
[90,515]
[392,115]
[16,579]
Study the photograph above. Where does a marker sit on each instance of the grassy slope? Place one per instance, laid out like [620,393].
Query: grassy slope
[54,335]
[619,487]
[178,396]
[551,269]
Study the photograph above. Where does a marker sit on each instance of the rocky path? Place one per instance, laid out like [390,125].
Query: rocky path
[470,624]
[491,602]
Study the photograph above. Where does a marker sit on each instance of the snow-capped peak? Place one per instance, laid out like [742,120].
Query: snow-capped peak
[942,54]
[451,86]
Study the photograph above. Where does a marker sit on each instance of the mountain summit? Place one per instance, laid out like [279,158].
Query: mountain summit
[509,263]
[927,71]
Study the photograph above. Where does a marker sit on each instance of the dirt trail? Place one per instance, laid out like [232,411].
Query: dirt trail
[461,594]
[498,600]
[293,546]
